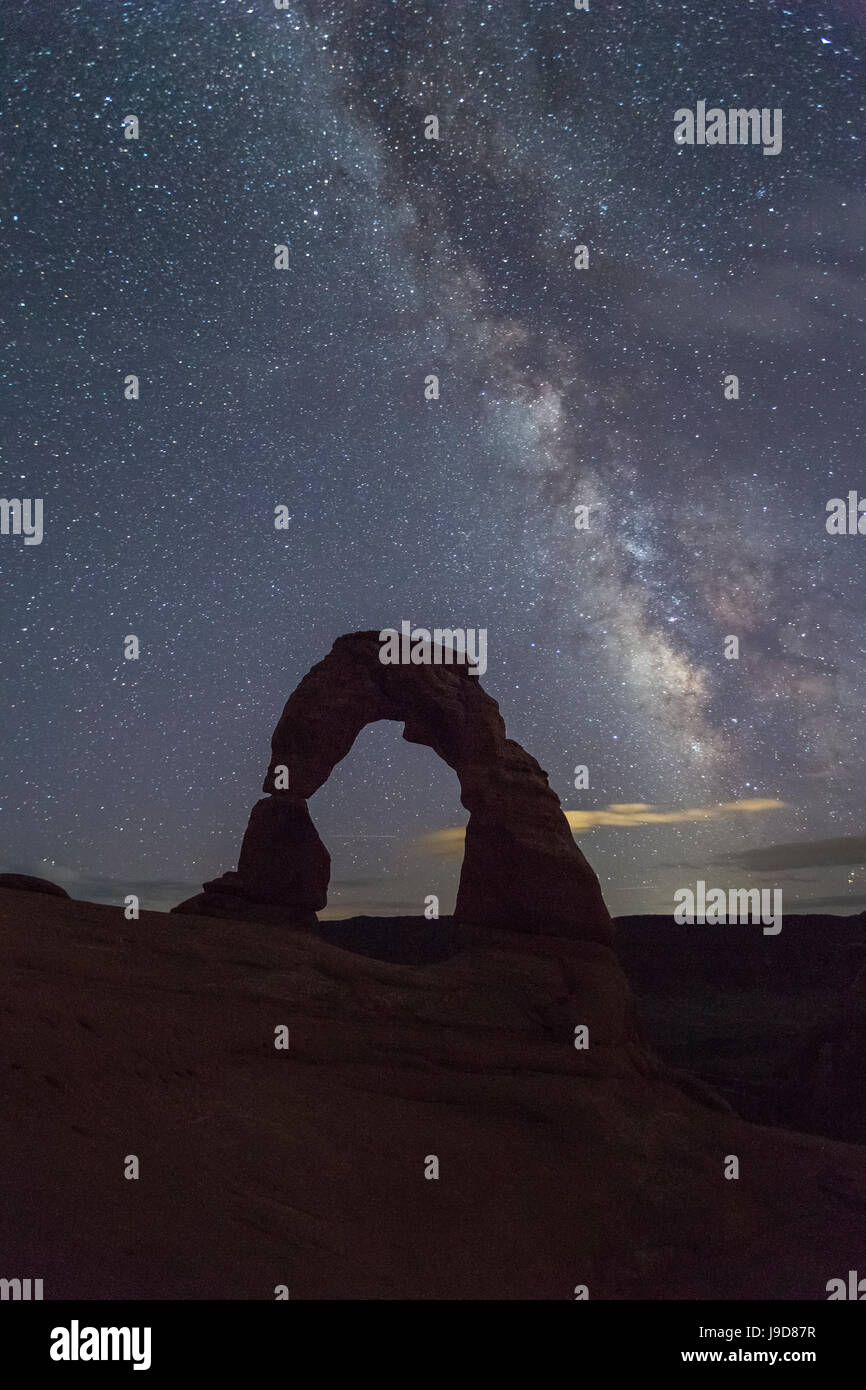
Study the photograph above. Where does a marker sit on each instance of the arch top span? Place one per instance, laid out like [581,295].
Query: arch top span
[439,704]
[522,870]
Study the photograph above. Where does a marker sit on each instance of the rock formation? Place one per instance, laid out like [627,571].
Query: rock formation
[305,1167]
[825,1089]
[26,883]
[282,873]
[522,870]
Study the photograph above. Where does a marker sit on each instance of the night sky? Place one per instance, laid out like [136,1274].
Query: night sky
[559,387]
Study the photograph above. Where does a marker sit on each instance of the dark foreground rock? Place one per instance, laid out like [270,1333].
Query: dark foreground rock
[774,1023]
[305,1166]
[824,1089]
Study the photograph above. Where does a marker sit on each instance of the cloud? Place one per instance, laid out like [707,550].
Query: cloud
[450,841]
[846,849]
[639,813]
[446,842]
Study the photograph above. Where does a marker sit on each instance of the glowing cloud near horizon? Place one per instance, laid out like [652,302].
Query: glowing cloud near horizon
[450,840]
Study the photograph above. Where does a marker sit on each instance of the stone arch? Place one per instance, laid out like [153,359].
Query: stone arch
[522,870]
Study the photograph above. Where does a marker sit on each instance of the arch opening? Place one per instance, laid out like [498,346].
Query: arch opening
[381,813]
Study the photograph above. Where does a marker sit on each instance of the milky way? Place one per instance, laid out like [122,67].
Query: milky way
[559,388]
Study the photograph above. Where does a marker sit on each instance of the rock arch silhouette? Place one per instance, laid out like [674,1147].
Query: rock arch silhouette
[522,870]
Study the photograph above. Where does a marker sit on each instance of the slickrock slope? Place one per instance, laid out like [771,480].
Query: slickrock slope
[28,884]
[305,1167]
